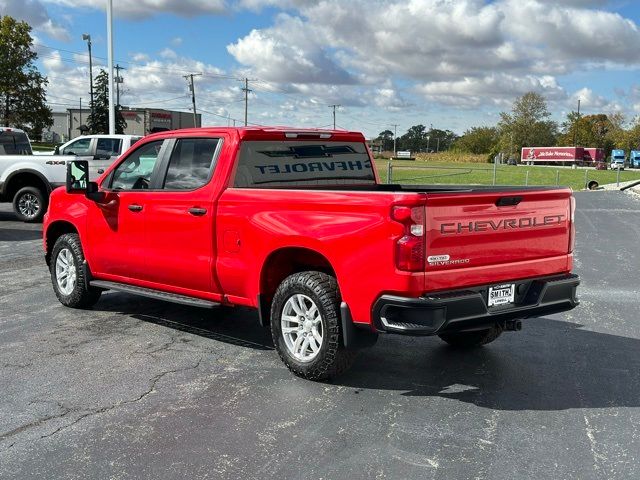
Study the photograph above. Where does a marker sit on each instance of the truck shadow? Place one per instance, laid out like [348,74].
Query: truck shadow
[235,326]
[18,235]
[551,365]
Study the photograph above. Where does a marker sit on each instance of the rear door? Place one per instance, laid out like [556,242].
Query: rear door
[106,152]
[476,237]
[180,245]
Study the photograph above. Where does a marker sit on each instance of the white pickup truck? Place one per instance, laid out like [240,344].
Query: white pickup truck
[27,180]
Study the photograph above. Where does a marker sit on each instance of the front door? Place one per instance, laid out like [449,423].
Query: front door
[117,225]
[180,244]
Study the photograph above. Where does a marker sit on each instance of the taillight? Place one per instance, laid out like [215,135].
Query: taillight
[410,247]
[572,228]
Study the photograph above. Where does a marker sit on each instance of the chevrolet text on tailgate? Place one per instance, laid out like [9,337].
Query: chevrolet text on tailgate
[296,224]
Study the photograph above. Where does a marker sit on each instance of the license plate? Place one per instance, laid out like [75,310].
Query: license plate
[501,294]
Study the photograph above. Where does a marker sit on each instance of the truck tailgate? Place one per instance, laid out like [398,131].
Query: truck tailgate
[478,237]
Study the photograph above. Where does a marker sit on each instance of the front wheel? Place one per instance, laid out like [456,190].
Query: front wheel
[472,339]
[306,328]
[68,275]
[29,204]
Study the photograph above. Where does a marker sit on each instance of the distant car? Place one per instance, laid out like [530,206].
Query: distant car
[512,161]
[14,141]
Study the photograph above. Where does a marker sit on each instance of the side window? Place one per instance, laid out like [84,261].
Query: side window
[109,146]
[134,173]
[190,163]
[14,143]
[79,147]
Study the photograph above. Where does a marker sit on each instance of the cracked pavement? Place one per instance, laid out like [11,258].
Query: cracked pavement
[138,388]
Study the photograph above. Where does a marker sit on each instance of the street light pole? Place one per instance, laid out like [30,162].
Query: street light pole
[87,37]
[112,109]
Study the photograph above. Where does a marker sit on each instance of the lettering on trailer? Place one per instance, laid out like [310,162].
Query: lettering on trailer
[505,224]
[314,167]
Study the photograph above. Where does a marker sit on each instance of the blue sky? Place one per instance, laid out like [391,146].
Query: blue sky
[450,63]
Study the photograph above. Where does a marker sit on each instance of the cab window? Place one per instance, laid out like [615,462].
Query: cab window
[79,147]
[190,163]
[108,146]
[134,173]
[14,143]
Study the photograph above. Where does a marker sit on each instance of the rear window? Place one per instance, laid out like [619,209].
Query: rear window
[265,164]
[14,143]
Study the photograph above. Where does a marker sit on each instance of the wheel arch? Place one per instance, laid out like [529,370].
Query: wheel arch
[54,231]
[281,263]
[25,178]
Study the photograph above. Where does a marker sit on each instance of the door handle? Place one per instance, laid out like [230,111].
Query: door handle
[197,211]
[135,208]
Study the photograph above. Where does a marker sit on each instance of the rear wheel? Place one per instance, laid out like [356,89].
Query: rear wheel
[306,328]
[29,204]
[68,274]
[472,339]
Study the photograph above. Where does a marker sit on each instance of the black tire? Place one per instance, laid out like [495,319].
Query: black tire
[472,339]
[30,204]
[80,296]
[332,358]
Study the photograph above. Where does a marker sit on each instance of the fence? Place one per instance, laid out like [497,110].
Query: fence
[495,174]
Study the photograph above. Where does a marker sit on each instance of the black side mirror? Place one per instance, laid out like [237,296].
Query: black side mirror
[77,176]
[57,150]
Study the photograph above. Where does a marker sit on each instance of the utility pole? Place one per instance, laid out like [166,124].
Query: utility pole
[246,99]
[575,129]
[118,81]
[395,135]
[438,147]
[193,95]
[87,37]
[80,112]
[112,110]
[334,114]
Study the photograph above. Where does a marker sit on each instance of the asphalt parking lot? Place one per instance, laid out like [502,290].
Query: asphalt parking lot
[143,389]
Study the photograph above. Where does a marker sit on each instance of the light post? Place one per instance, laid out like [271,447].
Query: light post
[112,109]
[87,37]
[428,143]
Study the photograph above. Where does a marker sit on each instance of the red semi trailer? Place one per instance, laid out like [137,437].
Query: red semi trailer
[562,155]
[555,155]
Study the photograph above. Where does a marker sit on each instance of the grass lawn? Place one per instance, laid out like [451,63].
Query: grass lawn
[420,172]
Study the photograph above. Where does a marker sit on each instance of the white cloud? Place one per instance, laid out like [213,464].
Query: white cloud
[35,14]
[168,54]
[288,53]
[496,89]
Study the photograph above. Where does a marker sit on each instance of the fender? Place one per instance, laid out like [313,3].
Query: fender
[40,175]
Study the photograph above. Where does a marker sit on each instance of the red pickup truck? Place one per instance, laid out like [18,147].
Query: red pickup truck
[296,224]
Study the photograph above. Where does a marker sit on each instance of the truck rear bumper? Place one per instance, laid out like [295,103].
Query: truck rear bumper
[467,309]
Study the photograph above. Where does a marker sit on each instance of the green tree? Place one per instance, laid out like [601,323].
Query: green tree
[415,139]
[386,138]
[587,131]
[477,140]
[527,125]
[439,140]
[22,87]
[99,121]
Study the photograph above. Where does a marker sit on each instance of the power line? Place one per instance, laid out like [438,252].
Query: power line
[142,65]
